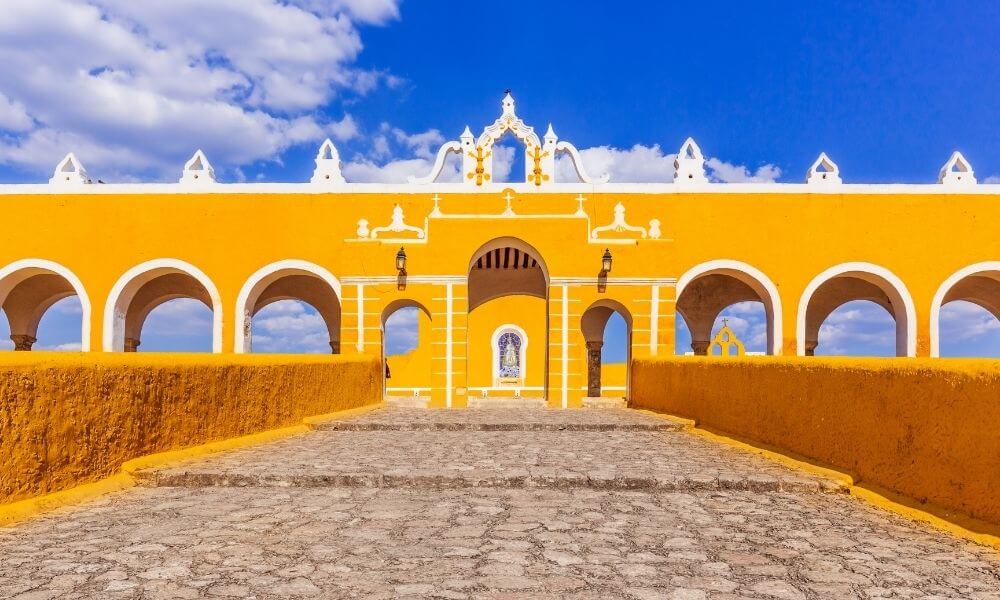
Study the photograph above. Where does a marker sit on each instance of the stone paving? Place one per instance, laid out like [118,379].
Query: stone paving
[400,538]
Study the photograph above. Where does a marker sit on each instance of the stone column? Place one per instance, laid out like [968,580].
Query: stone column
[131,344]
[334,347]
[594,369]
[700,347]
[811,347]
[22,343]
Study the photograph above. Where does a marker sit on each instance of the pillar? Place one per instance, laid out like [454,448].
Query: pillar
[131,344]
[811,347]
[594,369]
[22,343]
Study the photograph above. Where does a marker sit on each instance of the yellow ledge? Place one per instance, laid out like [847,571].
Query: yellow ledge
[19,511]
[955,523]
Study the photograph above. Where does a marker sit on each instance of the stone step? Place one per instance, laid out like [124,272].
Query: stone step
[486,419]
[495,426]
[407,401]
[438,481]
[604,402]
[478,402]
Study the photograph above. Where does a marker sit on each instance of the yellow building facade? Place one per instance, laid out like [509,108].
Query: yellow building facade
[513,281]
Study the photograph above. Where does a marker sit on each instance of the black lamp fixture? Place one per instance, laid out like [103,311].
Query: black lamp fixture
[606,262]
[401,261]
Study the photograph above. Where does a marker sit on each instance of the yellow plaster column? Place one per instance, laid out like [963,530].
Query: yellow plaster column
[449,318]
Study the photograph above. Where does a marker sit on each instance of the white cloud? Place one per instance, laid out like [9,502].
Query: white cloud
[135,87]
[964,321]
[859,328]
[402,331]
[290,326]
[992,179]
[639,164]
[724,172]
[178,318]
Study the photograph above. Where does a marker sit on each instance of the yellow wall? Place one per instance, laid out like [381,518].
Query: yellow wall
[526,312]
[923,428]
[68,419]
[413,369]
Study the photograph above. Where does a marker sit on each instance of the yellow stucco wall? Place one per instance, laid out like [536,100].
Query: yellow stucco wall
[789,237]
[923,428]
[69,419]
[526,312]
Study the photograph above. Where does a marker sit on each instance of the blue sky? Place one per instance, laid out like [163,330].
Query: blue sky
[888,89]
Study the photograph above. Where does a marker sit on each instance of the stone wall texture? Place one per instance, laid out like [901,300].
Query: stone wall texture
[928,429]
[68,419]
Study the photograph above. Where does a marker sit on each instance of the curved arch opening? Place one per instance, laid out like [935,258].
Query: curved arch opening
[607,332]
[508,286]
[836,287]
[291,307]
[174,290]
[741,292]
[965,314]
[406,349]
[857,328]
[43,301]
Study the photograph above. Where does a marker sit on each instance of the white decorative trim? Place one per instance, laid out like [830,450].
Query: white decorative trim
[957,172]
[448,341]
[392,279]
[689,165]
[565,346]
[654,320]
[327,170]
[197,170]
[69,172]
[938,302]
[379,189]
[618,225]
[906,336]
[628,281]
[24,268]
[123,292]
[823,172]
[757,280]
[256,284]
[396,226]
[360,346]
[442,156]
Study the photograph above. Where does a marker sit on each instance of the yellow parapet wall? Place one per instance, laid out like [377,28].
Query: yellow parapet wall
[71,419]
[925,429]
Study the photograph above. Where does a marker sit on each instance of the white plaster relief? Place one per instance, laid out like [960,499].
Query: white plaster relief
[197,170]
[957,172]
[397,225]
[823,172]
[327,165]
[619,225]
[69,172]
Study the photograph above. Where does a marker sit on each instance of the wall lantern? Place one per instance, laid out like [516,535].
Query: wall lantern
[606,262]
[401,261]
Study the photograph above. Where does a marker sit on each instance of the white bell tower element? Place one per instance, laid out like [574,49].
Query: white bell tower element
[689,166]
[69,171]
[327,165]
[198,170]
[823,172]
[957,172]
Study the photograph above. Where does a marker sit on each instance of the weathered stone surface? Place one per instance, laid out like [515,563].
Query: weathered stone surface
[486,541]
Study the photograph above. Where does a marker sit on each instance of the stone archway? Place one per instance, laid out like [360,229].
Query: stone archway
[593,324]
[978,284]
[28,288]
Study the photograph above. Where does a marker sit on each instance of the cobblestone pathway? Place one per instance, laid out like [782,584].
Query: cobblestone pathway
[582,504]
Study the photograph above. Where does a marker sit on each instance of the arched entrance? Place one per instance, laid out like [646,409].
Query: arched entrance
[147,286]
[709,288]
[406,349]
[849,282]
[507,335]
[289,280]
[595,324]
[28,288]
[977,285]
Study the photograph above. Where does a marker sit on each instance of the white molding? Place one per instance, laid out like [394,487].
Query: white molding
[265,276]
[448,340]
[564,320]
[906,337]
[348,189]
[942,291]
[756,276]
[361,318]
[29,267]
[626,281]
[654,319]
[121,293]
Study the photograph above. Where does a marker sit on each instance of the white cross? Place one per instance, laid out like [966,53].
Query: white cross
[508,197]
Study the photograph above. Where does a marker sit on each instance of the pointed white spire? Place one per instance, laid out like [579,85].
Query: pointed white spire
[689,166]
[69,171]
[823,172]
[957,171]
[550,134]
[467,135]
[508,104]
[327,164]
[198,170]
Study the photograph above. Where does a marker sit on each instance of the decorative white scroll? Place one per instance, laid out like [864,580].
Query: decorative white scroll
[442,156]
[618,225]
[574,155]
[396,226]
